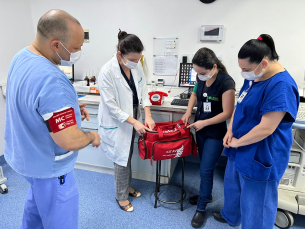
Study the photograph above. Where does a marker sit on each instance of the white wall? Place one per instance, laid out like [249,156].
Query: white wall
[243,20]
[16,32]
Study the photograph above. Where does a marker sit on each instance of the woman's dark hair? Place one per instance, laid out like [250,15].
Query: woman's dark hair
[257,49]
[129,43]
[206,58]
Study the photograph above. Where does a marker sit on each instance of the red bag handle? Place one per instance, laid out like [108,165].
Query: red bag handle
[160,133]
[182,131]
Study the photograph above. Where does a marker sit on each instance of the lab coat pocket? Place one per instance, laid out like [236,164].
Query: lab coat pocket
[258,171]
[108,134]
[68,189]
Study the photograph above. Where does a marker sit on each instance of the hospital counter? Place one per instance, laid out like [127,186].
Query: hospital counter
[94,159]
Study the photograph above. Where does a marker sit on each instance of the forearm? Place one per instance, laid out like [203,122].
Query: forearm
[217,119]
[147,111]
[79,140]
[192,102]
[130,120]
[255,135]
[231,121]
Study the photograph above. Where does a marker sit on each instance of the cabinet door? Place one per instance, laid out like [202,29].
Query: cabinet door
[93,156]
[159,116]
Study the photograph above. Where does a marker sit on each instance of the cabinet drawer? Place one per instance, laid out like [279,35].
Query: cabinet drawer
[92,109]
[92,118]
[90,126]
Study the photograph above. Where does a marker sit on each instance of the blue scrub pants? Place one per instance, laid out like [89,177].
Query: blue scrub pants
[51,205]
[209,153]
[253,204]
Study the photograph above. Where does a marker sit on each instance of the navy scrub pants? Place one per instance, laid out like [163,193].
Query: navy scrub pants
[253,204]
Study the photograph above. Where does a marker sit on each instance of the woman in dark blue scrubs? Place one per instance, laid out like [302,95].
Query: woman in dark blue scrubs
[215,95]
[259,137]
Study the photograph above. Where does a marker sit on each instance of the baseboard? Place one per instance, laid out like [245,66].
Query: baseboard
[110,170]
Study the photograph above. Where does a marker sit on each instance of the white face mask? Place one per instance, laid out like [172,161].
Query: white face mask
[251,75]
[205,77]
[130,64]
[74,57]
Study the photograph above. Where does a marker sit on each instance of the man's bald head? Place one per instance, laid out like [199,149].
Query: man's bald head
[55,24]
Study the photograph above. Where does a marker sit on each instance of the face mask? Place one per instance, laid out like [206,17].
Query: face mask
[74,57]
[205,77]
[251,75]
[130,64]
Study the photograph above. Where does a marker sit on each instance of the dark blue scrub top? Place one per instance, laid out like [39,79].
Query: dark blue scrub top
[132,87]
[267,159]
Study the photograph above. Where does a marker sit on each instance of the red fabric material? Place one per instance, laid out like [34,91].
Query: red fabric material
[62,120]
[168,140]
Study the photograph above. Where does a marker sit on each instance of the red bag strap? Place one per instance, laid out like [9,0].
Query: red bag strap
[181,130]
[160,132]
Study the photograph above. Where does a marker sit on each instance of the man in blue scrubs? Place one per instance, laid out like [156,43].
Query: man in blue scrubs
[43,121]
[259,137]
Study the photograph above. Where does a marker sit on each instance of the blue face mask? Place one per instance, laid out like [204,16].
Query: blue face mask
[74,57]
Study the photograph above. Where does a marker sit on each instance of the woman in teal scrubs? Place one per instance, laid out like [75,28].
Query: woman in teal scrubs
[259,137]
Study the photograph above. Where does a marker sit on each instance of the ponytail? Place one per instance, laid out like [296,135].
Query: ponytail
[221,67]
[257,49]
[206,58]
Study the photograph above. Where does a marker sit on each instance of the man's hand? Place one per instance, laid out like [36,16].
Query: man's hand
[150,122]
[97,141]
[83,111]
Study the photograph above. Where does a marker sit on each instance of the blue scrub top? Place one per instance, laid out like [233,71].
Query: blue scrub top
[267,159]
[35,87]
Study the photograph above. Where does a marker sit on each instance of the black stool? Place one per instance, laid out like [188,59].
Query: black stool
[158,185]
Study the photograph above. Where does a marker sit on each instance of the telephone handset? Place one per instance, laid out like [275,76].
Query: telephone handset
[156,97]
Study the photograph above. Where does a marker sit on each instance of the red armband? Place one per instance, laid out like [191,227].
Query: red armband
[61,120]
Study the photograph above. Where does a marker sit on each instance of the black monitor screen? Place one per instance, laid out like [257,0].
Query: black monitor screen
[187,75]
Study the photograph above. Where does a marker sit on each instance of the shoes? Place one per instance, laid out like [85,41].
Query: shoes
[127,208]
[217,216]
[135,194]
[193,200]
[198,219]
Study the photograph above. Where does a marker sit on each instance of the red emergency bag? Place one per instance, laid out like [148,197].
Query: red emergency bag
[167,140]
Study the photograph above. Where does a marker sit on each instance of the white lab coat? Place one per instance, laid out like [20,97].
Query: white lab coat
[116,106]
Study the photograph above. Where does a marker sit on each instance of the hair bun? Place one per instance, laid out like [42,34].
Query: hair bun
[122,35]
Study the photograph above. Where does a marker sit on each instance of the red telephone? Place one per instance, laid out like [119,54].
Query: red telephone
[156,97]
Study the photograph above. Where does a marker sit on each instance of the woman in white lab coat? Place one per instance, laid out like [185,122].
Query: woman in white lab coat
[122,87]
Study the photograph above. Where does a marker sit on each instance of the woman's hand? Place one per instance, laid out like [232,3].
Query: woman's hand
[186,118]
[227,139]
[234,143]
[150,122]
[198,125]
[139,127]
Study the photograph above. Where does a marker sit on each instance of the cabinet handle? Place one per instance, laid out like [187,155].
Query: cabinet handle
[90,129]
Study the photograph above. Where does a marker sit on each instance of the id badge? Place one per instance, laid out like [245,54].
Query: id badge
[242,96]
[207,107]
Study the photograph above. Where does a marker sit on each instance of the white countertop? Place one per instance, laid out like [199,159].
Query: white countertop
[166,106]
